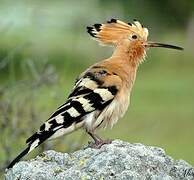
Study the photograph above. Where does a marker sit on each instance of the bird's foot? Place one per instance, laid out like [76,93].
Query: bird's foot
[99,143]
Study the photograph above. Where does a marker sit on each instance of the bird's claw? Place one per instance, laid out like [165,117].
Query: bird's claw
[98,144]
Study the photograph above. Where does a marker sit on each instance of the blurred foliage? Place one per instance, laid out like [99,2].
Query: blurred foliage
[44,46]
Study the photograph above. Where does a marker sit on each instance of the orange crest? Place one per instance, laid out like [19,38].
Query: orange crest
[115,30]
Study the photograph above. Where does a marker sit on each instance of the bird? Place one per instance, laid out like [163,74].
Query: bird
[101,94]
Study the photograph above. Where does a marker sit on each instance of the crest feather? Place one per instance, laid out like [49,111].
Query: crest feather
[114,30]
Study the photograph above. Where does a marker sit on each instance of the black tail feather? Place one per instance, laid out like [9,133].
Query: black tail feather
[22,154]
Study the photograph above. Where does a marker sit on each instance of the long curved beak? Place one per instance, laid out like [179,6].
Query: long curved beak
[154,44]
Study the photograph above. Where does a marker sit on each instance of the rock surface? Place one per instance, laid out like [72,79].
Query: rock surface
[119,160]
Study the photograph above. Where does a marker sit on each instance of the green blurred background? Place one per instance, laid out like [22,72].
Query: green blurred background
[44,46]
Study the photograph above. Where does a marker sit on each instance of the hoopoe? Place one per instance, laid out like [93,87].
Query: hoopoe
[101,94]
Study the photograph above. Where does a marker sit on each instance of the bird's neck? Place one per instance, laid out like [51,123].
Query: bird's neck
[132,56]
[128,60]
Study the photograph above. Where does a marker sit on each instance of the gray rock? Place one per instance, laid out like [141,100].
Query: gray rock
[119,160]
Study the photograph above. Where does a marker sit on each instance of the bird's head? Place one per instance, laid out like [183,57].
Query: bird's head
[131,36]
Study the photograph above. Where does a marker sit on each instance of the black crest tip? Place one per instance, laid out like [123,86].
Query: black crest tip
[97,26]
[90,31]
[89,28]
[112,21]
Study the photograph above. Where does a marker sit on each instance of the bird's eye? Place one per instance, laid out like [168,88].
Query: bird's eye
[134,36]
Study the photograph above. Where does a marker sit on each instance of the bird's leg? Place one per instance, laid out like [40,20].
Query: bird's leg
[98,142]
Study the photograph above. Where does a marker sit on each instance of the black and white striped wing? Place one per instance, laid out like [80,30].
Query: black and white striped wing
[89,94]
[93,91]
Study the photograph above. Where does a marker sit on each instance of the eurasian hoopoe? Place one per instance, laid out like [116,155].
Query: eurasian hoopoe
[101,93]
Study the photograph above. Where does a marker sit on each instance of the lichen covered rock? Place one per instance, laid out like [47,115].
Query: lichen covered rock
[119,160]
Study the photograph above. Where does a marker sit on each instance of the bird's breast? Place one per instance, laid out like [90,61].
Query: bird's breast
[109,115]
[115,110]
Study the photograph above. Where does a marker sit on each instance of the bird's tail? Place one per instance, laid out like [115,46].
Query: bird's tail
[22,154]
[33,142]
[114,30]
